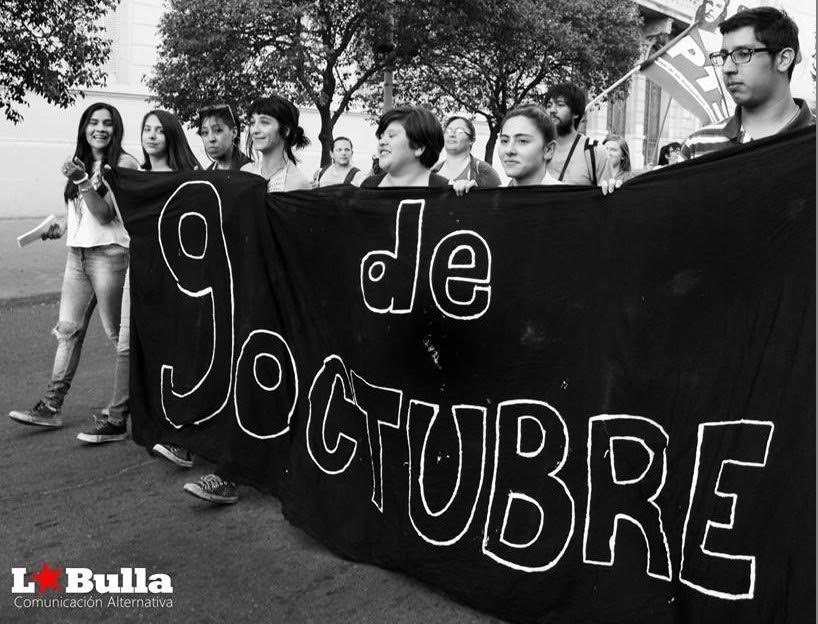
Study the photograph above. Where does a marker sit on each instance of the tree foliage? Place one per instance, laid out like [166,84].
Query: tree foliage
[319,53]
[507,52]
[51,48]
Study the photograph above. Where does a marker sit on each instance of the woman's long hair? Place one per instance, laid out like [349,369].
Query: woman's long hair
[286,114]
[625,163]
[180,156]
[83,151]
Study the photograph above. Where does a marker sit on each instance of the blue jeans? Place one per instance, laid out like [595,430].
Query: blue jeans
[93,275]
[117,409]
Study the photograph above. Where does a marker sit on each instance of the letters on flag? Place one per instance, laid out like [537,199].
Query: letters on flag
[683,69]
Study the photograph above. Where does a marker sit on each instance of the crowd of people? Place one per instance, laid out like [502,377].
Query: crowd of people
[538,145]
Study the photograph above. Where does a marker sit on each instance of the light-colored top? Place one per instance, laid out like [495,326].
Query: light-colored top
[547,180]
[83,229]
[287,178]
[578,169]
[332,177]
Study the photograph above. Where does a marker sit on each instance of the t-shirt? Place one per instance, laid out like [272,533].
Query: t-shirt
[435,181]
[478,170]
[579,169]
[548,180]
[729,133]
[83,228]
[287,178]
[238,160]
[330,177]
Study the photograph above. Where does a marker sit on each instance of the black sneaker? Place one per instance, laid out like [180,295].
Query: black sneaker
[103,431]
[214,489]
[175,453]
[41,415]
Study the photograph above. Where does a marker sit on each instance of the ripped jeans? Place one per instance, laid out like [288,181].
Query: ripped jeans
[93,275]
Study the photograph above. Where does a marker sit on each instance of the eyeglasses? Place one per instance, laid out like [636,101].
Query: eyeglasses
[215,109]
[740,56]
[455,132]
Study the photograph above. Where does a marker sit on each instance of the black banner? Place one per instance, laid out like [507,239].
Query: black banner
[554,405]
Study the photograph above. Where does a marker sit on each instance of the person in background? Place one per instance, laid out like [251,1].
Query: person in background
[274,133]
[619,157]
[460,164]
[577,159]
[669,154]
[525,148]
[758,53]
[95,270]
[340,171]
[409,142]
[219,130]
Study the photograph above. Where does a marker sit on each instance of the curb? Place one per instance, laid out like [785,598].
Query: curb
[29,300]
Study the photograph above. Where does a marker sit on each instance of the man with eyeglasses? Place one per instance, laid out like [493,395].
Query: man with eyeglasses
[758,54]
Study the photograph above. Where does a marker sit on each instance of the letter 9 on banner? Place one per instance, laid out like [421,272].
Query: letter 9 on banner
[195,253]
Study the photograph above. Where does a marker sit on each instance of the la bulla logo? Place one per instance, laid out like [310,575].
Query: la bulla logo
[84,581]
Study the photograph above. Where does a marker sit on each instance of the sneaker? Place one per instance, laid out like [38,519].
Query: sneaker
[214,489]
[175,453]
[103,431]
[40,415]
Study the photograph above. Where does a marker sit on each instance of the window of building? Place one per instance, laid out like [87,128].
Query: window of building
[617,112]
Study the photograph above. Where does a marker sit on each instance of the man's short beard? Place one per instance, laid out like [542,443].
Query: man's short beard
[564,127]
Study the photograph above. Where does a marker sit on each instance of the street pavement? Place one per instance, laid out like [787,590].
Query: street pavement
[111,506]
[34,271]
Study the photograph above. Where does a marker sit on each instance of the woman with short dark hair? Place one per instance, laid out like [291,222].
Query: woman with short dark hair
[409,142]
[219,130]
[274,132]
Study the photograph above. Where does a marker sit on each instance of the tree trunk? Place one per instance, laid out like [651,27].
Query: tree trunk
[493,132]
[325,134]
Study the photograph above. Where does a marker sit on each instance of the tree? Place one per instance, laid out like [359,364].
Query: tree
[324,53]
[507,52]
[51,48]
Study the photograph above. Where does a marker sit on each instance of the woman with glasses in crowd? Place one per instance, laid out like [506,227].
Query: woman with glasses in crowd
[95,269]
[274,133]
[409,142]
[460,164]
[220,131]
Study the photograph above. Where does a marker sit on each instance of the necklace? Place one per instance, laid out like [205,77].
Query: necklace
[274,172]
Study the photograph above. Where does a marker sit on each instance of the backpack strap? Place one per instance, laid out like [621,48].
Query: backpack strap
[351,175]
[321,172]
[568,159]
[590,146]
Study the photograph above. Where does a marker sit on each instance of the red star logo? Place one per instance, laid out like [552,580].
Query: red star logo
[46,578]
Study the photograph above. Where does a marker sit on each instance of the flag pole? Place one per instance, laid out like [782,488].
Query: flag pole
[640,66]
[661,129]
[599,97]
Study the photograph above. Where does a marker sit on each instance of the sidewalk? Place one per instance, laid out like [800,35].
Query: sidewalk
[32,273]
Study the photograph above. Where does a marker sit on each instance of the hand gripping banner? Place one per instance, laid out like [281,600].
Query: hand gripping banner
[553,405]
